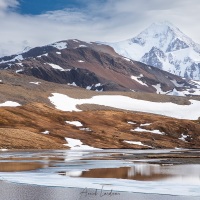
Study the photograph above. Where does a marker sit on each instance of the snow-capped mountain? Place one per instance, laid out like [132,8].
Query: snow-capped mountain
[164,46]
[93,67]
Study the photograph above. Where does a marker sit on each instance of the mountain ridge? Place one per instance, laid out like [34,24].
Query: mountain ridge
[181,54]
[92,66]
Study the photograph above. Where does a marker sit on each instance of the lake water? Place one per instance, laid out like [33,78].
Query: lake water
[135,171]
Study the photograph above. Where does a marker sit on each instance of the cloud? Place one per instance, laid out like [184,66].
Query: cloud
[105,20]
[6,5]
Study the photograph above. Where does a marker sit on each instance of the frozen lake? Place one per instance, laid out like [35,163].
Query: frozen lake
[120,171]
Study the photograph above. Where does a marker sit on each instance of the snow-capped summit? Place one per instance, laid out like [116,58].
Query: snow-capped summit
[164,36]
[164,46]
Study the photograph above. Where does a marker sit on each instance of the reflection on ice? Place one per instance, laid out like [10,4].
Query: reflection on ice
[119,170]
[143,170]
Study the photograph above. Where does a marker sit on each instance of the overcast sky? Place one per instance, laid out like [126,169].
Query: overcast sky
[39,22]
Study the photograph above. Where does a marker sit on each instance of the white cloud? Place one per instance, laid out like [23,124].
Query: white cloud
[112,20]
[6,5]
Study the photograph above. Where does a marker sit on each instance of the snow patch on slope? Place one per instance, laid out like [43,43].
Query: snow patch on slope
[66,103]
[35,83]
[46,54]
[9,104]
[18,58]
[136,143]
[45,132]
[59,45]
[76,144]
[75,123]
[159,89]
[137,79]
[138,129]
[183,137]
[55,66]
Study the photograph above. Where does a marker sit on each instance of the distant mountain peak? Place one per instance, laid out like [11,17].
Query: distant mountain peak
[162,34]
[181,53]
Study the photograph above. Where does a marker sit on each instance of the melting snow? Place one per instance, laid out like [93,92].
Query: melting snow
[136,143]
[85,129]
[36,83]
[149,131]
[18,57]
[20,64]
[60,45]
[89,87]
[56,66]
[9,104]
[175,92]
[81,61]
[147,124]
[72,84]
[45,132]
[136,78]
[19,70]
[187,92]
[46,54]
[75,123]
[127,59]
[158,89]
[65,103]
[76,144]
[98,85]
[129,122]
[59,53]
[183,137]
[82,45]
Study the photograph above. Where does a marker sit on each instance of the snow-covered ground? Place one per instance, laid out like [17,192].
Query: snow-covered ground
[55,66]
[19,70]
[45,132]
[59,45]
[183,137]
[192,111]
[9,104]
[187,92]
[75,123]
[137,79]
[136,143]
[147,124]
[81,45]
[158,89]
[46,54]
[36,83]
[76,144]
[81,61]
[72,84]
[18,57]
[129,122]
[138,129]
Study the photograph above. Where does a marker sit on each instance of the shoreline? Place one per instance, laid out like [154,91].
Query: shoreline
[15,191]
